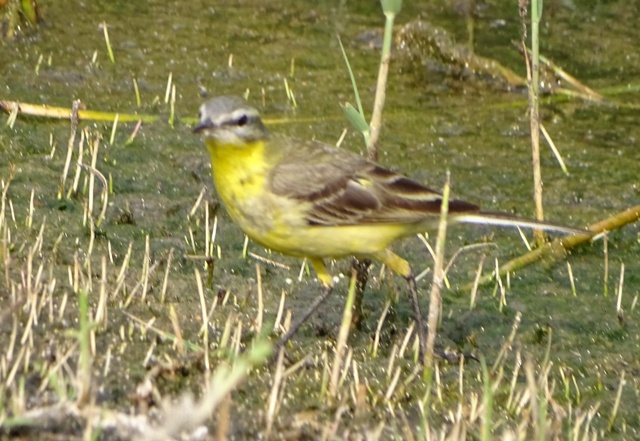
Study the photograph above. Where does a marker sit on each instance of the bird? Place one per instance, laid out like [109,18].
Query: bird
[307,199]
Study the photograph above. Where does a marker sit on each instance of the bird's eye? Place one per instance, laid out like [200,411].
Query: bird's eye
[242,120]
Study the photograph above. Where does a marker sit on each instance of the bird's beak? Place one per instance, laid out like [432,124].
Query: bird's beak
[203,125]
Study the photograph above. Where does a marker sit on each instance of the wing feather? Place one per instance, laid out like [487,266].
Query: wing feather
[343,188]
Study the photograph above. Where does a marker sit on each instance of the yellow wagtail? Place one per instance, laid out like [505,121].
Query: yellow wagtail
[308,199]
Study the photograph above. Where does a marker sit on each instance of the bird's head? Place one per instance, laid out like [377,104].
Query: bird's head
[229,120]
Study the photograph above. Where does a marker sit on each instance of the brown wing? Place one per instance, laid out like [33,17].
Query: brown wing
[346,189]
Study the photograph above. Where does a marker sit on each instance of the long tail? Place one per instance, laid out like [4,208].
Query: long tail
[507,220]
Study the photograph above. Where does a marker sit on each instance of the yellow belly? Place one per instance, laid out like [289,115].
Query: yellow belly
[331,241]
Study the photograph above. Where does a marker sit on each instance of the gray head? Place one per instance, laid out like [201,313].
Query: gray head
[230,120]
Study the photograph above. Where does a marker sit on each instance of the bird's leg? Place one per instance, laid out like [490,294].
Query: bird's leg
[327,289]
[401,267]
